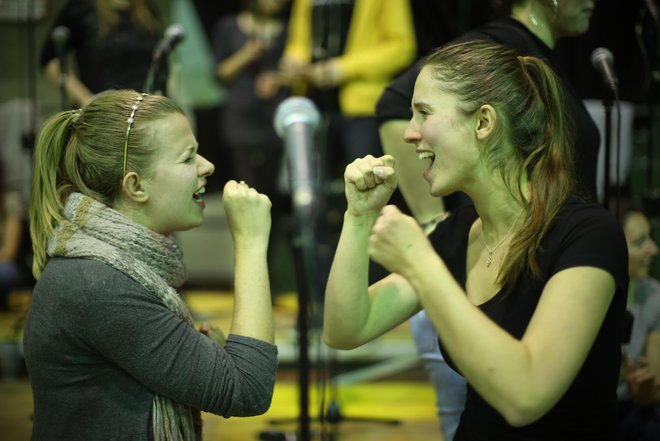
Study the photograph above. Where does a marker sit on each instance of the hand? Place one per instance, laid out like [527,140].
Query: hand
[641,383]
[397,241]
[325,74]
[266,85]
[214,333]
[368,183]
[248,212]
[292,70]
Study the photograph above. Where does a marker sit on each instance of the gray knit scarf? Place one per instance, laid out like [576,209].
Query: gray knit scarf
[94,231]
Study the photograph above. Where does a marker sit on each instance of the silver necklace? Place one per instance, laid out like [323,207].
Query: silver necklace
[489,258]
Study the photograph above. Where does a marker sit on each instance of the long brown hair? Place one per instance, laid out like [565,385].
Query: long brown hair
[83,151]
[528,99]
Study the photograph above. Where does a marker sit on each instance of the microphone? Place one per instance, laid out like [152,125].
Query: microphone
[173,35]
[60,37]
[603,60]
[296,119]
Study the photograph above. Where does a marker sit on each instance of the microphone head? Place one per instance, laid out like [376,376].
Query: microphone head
[293,110]
[60,34]
[174,33]
[600,55]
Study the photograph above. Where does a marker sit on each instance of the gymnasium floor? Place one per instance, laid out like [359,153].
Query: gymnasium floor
[382,380]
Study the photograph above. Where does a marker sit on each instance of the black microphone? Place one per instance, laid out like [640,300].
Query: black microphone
[173,35]
[603,60]
[295,121]
[60,36]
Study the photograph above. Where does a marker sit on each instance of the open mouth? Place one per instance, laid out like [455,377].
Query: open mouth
[424,154]
[197,196]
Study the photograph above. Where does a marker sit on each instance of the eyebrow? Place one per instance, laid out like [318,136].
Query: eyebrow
[418,104]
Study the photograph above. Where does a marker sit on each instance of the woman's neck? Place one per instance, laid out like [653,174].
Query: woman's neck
[497,210]
[538,18]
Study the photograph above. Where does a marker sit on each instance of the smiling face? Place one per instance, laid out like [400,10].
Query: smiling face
[443,136]
[641,247]
[174,185]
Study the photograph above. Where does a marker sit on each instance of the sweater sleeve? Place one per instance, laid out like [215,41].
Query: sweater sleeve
[298,44]
[136,332]
[379,46]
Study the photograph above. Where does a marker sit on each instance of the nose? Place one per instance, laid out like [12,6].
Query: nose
[412,134]
[204,167]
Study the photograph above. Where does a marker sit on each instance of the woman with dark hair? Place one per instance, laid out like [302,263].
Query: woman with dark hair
[531,27]
[527,287]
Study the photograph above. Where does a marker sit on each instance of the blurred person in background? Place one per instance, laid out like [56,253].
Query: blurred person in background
[639,385]
[247,47]
[11,231]
[112,41]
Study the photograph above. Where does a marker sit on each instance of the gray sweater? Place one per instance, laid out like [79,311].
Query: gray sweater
[98,346]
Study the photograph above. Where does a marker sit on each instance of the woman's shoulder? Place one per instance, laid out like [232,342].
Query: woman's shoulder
[579,220]
[586,234]
[87,279]
[576,210]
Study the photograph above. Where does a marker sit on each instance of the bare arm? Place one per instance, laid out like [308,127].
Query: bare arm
[653,353]
[75,89]
[227,69]
[355,313]
[248,213]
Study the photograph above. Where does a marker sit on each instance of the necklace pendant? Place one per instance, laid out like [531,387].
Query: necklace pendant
[489,259]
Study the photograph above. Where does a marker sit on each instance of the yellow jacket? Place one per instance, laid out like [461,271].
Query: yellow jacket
[380,43]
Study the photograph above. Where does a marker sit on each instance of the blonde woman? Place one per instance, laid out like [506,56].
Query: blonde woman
[110,346]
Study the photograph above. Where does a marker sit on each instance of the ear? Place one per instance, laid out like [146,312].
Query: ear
[133,188]
[486,120]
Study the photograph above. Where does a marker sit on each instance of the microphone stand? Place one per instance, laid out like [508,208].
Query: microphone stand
[64,102]
[305,265]
[607,105]
[63,98]
[305,270]
[152,73]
